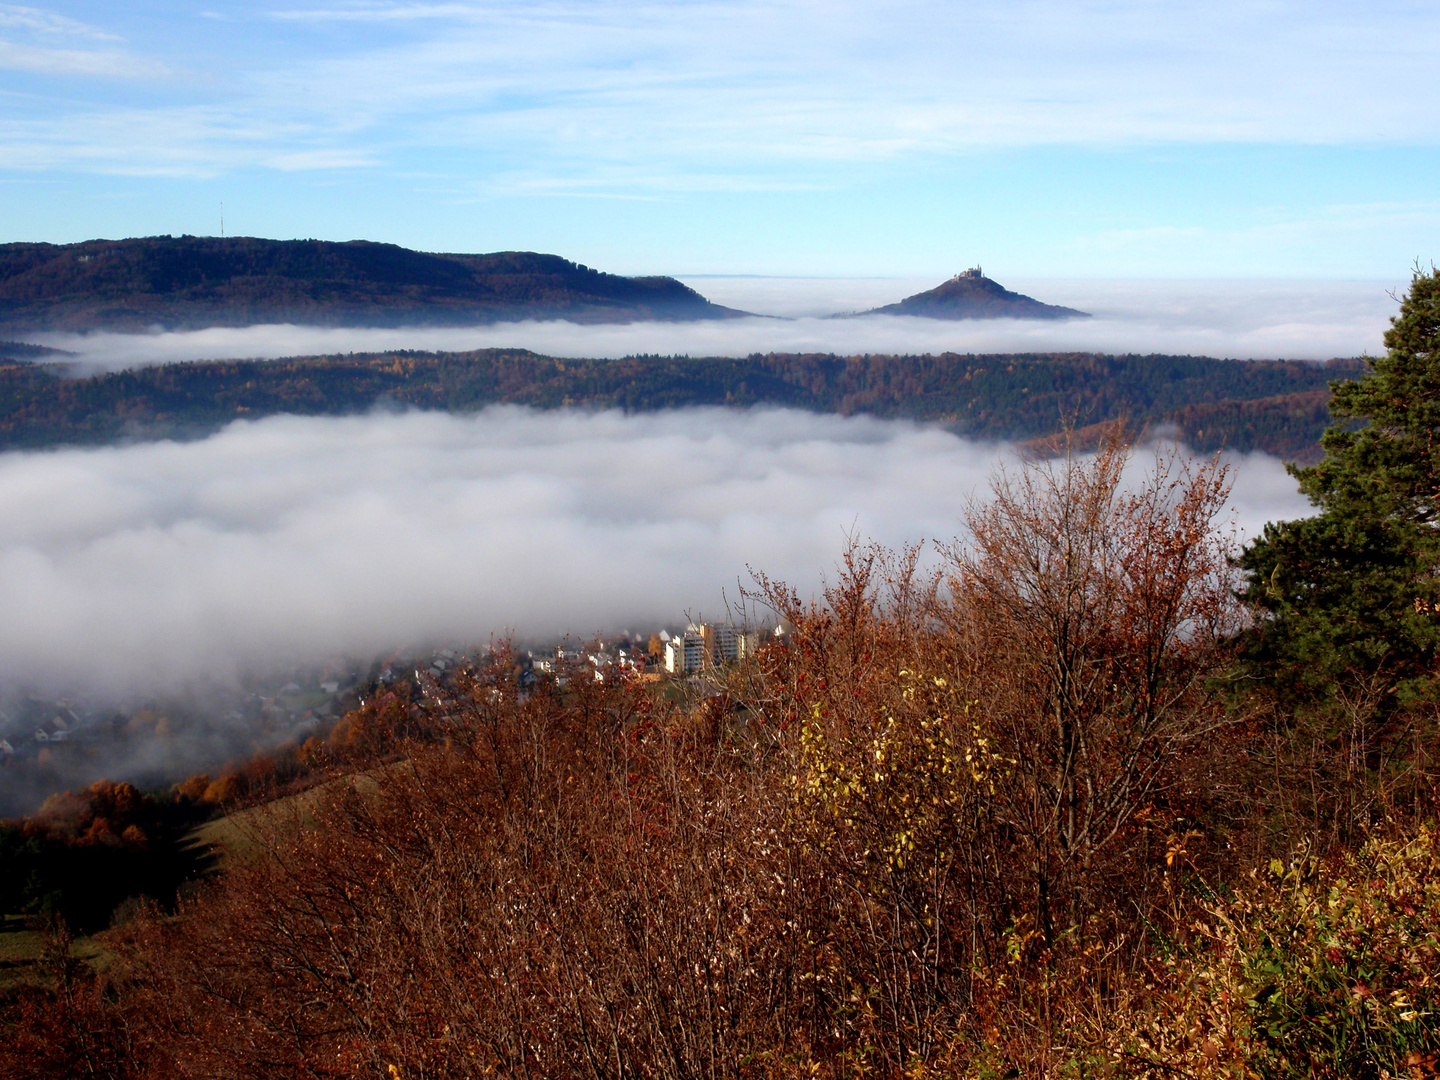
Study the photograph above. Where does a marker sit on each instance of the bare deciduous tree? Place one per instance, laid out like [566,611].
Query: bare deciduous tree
[1087,617]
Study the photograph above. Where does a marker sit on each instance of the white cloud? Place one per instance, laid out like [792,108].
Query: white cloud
[40,55]
[858,81]
[378,13]
[308,160]
[106,63]
[147,567]
[184,141]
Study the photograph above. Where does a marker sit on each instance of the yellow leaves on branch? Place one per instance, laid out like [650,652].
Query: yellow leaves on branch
[911,774]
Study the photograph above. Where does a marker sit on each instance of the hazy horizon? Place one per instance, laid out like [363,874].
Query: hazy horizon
[1311,320]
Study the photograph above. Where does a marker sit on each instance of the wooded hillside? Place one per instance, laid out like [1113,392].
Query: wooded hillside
[189,282]
[1278,406]
[971,295]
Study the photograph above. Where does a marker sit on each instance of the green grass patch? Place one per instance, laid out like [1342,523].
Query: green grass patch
[22,949]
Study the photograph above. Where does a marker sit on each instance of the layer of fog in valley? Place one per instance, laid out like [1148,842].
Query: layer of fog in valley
[157,579]
[1313,320]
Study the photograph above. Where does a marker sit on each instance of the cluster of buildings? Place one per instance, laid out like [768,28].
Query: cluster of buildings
[52,722]
[294,704]
[706,645]
[697,648]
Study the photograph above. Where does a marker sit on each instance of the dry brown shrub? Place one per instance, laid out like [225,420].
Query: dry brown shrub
[996,767]
[1089,619]
[66,1022]
[569,887]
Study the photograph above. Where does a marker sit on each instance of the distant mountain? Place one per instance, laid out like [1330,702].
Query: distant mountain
[972,295]
[189,282]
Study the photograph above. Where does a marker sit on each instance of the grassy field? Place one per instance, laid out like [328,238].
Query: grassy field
[244,832]
[21,949]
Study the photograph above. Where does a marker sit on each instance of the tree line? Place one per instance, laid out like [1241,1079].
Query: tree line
[1278,406]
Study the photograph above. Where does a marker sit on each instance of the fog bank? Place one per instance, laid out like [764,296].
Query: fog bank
[127,569]
[1243,319]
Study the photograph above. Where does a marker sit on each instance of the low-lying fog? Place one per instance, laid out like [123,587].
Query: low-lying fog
[170,607]
[1244,319]
[127,569]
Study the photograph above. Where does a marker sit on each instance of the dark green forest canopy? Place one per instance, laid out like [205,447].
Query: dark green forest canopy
[1278,406]
[1349,596]
[20,350]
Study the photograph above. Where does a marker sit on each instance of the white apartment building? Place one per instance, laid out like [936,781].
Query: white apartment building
[702,647]
[685,653]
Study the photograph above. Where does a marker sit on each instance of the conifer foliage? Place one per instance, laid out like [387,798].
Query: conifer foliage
[1352,592]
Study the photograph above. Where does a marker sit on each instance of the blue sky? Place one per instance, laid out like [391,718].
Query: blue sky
[1038,138]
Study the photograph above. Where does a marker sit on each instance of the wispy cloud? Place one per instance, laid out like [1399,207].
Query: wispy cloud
[379,12]
[102,63]
[49,22]
[704,89]
[32,46]
[308,160]
[184,141]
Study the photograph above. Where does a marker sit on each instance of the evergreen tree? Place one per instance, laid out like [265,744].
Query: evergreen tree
[1353,590]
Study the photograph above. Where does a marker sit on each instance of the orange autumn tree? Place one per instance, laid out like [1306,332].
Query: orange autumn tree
[1088,616]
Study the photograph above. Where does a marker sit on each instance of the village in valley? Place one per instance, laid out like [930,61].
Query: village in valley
[699,647]
[52,741]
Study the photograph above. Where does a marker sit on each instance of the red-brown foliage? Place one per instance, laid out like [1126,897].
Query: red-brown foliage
[103,813]
[568,887]
[943,823]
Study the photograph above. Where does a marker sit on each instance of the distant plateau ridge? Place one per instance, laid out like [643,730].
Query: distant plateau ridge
[191,282]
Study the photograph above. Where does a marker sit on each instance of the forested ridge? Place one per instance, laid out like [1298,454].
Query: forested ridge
[189,282]
[1090,791]
[1277,406]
